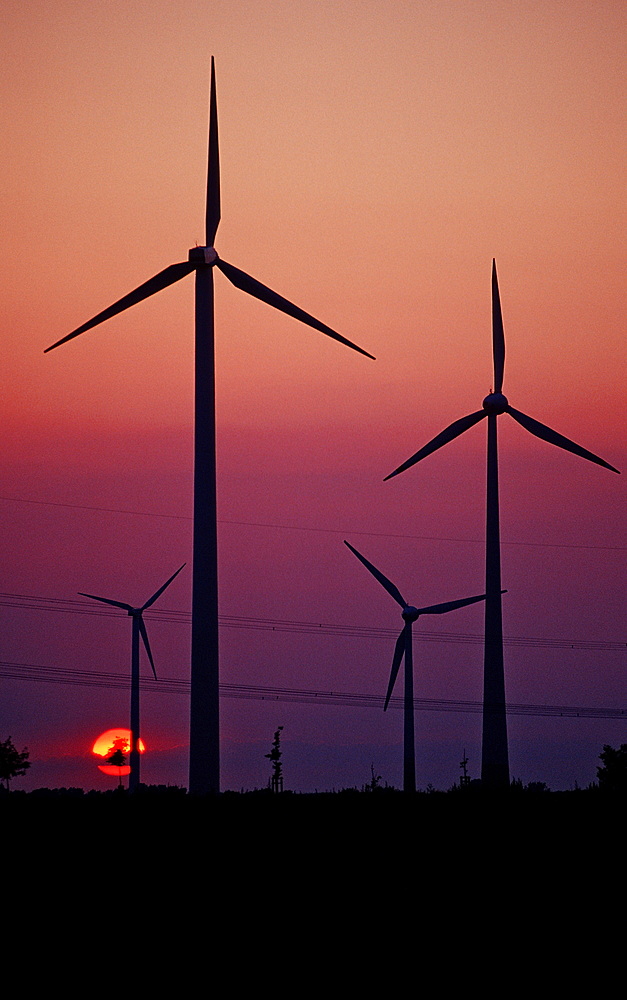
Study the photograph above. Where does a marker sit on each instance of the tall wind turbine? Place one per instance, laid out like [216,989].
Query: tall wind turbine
[204,769]
[139,629]
[494,755]
[404,649]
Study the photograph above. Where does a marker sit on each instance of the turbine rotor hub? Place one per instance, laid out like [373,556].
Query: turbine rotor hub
[496,402]
[410,613]
[203,255]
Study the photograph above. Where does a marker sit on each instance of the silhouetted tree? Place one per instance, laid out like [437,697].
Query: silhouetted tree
[613,775]
[374,783]
[120,743]
[464,780]
[276,782]
[13,764]
[118,759]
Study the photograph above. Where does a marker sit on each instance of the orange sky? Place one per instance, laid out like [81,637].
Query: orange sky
[374,157]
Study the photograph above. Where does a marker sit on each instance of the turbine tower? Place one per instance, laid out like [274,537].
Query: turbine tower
[494,754]
[402,649]
[139,629]
[204,764]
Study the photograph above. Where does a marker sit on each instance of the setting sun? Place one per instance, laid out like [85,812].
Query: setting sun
[110,742]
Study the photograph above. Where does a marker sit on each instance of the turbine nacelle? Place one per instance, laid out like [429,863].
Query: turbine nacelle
[203,255]
[410,613]
[496,402]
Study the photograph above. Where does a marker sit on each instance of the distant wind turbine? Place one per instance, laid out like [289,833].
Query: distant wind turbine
[204,770]
[402,649]
[139,629]
[495,757]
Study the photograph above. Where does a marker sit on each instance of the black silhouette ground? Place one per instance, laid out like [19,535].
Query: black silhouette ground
[300,829]
[338,883]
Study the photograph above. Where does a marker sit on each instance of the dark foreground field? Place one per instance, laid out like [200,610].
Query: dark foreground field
[350,885]
[386,827]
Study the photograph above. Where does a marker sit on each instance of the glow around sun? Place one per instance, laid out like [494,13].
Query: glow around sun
[108,743]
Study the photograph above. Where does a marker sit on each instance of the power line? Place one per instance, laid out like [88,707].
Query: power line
[330,531]
[103,510]
[173,685]
[423,538]
[34,603]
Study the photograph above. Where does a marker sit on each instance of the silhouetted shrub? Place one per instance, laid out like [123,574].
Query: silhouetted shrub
[613,775]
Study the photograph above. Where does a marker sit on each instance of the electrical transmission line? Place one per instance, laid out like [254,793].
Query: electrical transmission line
[34,603]
[172,685]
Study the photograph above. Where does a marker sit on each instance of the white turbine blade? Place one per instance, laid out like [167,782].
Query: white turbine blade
[144,635]
[166,277]
[442,609]
[212,217]
[498,337]
[546,434]
[383,580]
[448,434]
[247,284]
[105,600]
[399,652]
[154,597]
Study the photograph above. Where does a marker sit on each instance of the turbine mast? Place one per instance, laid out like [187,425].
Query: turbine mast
[133,778]
[204,736]
[409,745]
[494,752]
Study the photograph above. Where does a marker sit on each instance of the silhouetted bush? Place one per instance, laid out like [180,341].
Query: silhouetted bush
[613,774]
[14,763]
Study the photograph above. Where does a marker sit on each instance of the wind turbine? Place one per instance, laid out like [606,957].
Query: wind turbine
[139,629]
[204,770]
[402,649]
[494,755]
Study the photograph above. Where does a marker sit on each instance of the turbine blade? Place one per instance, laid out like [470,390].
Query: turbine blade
[399,652]
[247,284]
[166,277]
[498,337]
[159,592]
[451,432]
[212,218]
[105,600]
[383,580]
[144,635]
[546,434]
[441,609]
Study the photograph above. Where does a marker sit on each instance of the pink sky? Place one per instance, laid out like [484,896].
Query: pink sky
[374,158]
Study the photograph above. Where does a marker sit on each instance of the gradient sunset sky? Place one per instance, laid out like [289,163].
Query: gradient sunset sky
[375,157]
